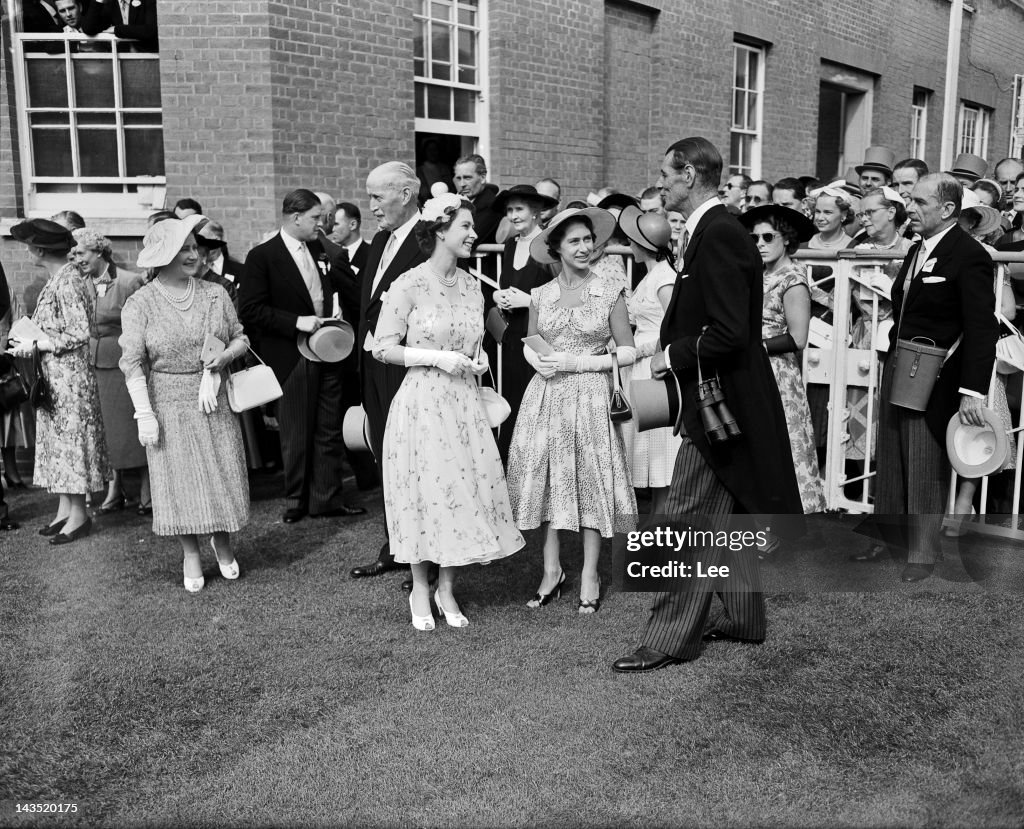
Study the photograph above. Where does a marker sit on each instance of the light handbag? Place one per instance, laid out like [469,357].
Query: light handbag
[496,408]
[1009,348]
[619,409]
[252,387]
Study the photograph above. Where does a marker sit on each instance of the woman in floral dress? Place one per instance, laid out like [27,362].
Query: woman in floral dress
[785,321]
[567,466]
[444,488]
[192,438]
[71,454]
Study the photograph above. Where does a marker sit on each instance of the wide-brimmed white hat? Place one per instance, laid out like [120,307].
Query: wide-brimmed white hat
[976,451]
[602,220]
[165,239]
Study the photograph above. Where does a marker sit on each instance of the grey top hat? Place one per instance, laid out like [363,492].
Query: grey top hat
[878,158]
[969,166]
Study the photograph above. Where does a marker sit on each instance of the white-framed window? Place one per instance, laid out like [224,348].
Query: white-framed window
[972,129]
[1017,122]
[90,125]
[747,110]
[919,122]
[449,66]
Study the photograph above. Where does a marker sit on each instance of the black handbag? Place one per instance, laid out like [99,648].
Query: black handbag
[619,409]
[13,388]
[496,324]
[40,395]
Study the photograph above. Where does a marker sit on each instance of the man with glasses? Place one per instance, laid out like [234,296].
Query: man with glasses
[758,192]
[733,191]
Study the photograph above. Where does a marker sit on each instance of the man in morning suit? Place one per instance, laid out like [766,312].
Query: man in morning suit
[348,223]
[392,189]
[943,292]
[135,19]
[717,301]
[289,288]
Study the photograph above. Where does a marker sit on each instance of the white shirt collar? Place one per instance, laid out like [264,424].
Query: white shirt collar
[294,245]
[353,248]
[404,230]
[928,245]
[698,214]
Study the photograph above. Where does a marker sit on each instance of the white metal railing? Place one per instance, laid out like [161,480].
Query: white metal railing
[831,360]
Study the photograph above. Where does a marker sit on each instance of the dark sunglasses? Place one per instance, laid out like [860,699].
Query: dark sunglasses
[768,237]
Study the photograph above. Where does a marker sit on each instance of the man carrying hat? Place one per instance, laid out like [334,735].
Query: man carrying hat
[943,295]
[287,294]
[876,171]
[715,315]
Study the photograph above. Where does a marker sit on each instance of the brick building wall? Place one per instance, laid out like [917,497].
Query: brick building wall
[262,96]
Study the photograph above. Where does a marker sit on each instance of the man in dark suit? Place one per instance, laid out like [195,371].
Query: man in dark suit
[716,306]
[471,183]
[41,16]
[348,222]
[392,189]
[944,292]
[134,19]
[289,288]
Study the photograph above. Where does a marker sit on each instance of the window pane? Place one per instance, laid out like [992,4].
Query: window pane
[47,83]
[417,39]
[465,105]
[753,69]
[138,119]
[739,106]
[751,110]
[439,103]
[140,83]
[94,83]
[440,11]
[441,71]
[740,60]
[421,96]
[144,152]
[467,17]
[51,150]
[107,119]
[40,119]
[467,48]
[440,46]
[467,75]
[97,152]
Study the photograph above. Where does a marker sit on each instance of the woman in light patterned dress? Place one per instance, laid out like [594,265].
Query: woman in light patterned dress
[567,465]
[71,454]
[778,231]
[444,487]
[651,453]
[192,438]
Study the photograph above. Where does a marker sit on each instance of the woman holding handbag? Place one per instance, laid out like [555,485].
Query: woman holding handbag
[508,318]
[444,487]
[192,438]
[71,453]
[567,466]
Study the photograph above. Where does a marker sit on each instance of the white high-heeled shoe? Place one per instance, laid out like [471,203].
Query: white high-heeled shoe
[229,570]
[420,622]
[454,620]
[194,585]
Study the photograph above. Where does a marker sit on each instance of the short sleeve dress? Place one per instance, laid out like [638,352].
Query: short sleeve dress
[567,464]
[197,469]
[444,487]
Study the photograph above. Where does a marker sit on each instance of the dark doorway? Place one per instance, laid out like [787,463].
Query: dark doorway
[435,160]
[830,132]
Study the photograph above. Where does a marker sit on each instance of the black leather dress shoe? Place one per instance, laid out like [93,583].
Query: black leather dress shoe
[343,511]
[716,635]
[7,524]
[53,529]
[876,552]
[292,515]
[376,569]
[66,538]
[916,572]
[644,659]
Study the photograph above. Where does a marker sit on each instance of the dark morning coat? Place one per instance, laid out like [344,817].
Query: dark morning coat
[273,295]
[141,25]
[719,293]
[952,295]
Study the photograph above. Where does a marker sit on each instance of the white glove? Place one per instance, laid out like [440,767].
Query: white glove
[149,428]
[450,361]
[626,355]
[480,367]
[208,388]
[648,349]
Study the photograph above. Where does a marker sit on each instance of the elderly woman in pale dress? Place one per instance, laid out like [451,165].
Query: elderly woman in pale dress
[192,438]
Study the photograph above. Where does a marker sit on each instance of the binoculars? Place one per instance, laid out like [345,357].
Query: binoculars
[719,424]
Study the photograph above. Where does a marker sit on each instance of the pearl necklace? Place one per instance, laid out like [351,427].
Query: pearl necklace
[444,279]
[578,285]
[180,303]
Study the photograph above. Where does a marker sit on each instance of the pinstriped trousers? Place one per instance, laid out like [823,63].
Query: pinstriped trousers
[913,478]
[678,619]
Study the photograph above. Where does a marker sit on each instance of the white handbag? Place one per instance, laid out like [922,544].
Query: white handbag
[252,387]
[496,408]
[1009,348]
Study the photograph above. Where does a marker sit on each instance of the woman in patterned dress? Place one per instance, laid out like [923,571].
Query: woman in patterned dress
[520,274]
[192,438]
[444,487]
[778,232]
[71,454]
[567,466]
[92,256]
[651,453]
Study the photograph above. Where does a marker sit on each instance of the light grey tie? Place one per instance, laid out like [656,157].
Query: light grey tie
[684,240]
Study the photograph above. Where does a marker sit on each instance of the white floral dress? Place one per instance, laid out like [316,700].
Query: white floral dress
[444,487]
[567,464]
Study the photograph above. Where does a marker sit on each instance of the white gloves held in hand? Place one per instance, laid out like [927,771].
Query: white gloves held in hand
[149,427]
[451,362]
[209,386]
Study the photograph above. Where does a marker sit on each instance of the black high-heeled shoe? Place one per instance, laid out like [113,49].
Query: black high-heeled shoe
[74,535]
[541,599]
[591,605]
[108,507]
[52,529]
[145,509]
[13,483]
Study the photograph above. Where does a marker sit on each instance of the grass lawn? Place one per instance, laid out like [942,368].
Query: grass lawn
[297,696]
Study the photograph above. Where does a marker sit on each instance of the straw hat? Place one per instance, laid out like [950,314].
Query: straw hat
[650,231]
[976,451]
[602,220]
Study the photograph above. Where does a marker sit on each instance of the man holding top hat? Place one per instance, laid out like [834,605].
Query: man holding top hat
[287,298]
[715,314]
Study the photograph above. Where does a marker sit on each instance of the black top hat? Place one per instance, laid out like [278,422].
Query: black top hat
[803,226]
[618,200]
[42,233]
[526,192]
